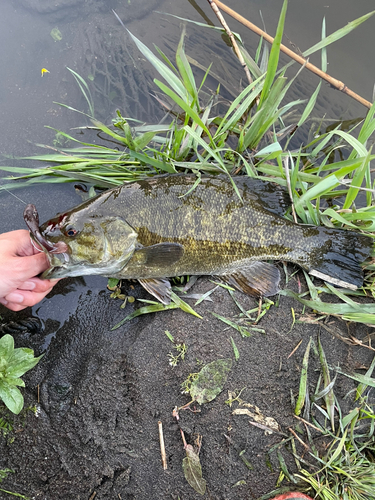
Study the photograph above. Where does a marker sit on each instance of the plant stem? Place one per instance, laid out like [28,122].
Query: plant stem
[232,39]
[301,60]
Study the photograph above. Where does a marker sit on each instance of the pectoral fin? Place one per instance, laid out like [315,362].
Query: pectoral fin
[159,254]
[258,279]
[159,288]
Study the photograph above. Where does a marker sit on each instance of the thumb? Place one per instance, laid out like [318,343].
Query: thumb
[33,265]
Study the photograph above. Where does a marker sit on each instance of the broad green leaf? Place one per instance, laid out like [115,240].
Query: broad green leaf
[193,471]
[210,381]
[12,397]
[6,347]
[22,361]
[112,282]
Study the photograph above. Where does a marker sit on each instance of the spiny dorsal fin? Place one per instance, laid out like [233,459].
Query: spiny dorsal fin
[273,197]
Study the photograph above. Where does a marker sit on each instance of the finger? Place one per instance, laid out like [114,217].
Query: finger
[25,298]
[17,242]
[30,266]
[37,285]
[15,307]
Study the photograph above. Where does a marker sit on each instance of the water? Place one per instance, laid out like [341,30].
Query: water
[95,45]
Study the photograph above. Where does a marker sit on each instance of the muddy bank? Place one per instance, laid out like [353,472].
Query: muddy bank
[102,393]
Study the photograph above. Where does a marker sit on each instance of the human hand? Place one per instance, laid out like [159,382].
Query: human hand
[20,263]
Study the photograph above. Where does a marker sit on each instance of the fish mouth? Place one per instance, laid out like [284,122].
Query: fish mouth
[31,218]
[57,255]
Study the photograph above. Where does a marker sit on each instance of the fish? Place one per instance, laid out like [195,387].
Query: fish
[170,225]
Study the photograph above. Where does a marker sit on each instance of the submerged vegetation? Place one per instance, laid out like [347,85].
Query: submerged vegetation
[328,177]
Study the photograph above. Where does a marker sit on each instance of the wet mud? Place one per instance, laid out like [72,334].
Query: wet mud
[101,394]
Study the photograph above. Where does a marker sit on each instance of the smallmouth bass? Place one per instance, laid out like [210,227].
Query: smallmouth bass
[158,228]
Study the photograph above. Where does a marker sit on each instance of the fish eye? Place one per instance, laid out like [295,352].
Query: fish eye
[70,231]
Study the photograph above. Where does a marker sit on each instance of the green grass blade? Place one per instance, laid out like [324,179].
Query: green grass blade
[310,106]
[183,105]
[185,69]
[85,90]
[238,108]
[182,305]
[235,350]
[357,182]
[325,185]
[145,310]
[324,49]
[250,63]
[362,387]
[338,34]
[303,382]
[168,75]
[274,55]
[329,398]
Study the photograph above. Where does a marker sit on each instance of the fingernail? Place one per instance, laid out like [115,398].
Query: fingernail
[15,297]
[3,301]
[29,285]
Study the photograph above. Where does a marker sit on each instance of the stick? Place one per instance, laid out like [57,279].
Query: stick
[301,60]
[298,438]
[162,447]
[232,39]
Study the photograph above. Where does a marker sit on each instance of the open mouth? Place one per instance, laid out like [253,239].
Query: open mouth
[31,218]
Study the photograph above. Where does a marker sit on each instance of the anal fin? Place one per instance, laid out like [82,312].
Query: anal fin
[159,288]
[258,279]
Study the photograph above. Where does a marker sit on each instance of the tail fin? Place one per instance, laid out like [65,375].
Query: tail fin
[339,257]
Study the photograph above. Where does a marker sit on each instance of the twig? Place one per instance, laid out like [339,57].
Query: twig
[301,60]
[232,39]
[162,446]
[298,438]
[308,423]
[294,350]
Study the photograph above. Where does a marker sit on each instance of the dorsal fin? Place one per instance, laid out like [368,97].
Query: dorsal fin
[272,196]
